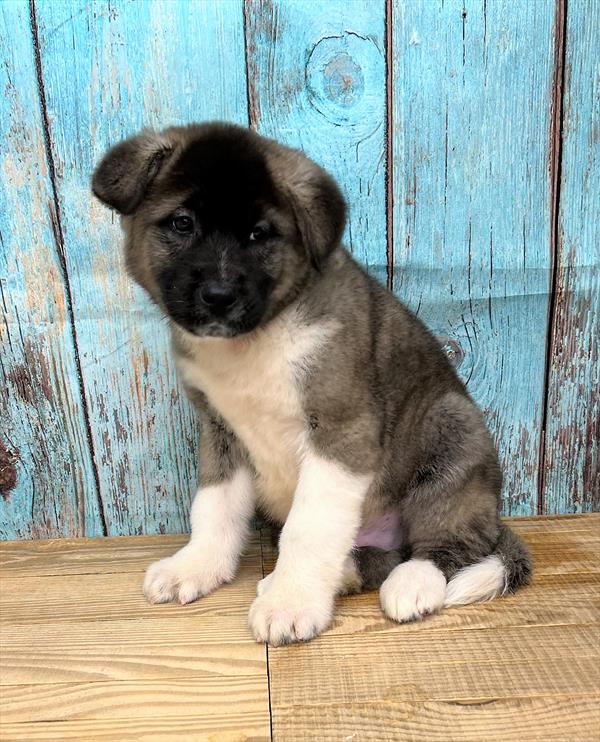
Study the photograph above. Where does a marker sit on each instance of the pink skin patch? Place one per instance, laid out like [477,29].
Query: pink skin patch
[384,533]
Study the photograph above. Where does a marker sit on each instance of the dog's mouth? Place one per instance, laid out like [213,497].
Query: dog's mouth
[219,329]
[240,322]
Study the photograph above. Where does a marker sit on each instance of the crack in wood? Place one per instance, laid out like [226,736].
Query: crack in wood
[555,165]
[56,221]
[389,143]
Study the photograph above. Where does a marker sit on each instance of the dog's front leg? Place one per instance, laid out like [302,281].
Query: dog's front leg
[297,601]
[221,514]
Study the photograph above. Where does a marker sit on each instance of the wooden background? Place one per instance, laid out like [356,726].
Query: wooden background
[466,137]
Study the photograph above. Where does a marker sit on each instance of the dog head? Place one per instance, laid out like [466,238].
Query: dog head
[223,227]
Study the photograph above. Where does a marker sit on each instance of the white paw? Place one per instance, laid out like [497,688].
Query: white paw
[283,616]
[263,585]
[184,577]
[413,589]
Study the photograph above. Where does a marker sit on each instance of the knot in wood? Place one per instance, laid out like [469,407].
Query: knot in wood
[342,74]
[452,349]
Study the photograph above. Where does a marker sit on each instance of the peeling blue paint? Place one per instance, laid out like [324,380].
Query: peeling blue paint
[438,120]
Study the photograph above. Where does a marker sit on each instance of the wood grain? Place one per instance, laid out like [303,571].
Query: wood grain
[28,599]
[83,657]
[84,555]
[47,483]
[88,660]
[316,80]
[471,122]
[149,649]
[543,719]
[232,725]
[525,667]
[572,461]
[109,69]
[151,699]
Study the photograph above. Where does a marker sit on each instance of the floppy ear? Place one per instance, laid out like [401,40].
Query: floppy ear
[320,211]
[127,169]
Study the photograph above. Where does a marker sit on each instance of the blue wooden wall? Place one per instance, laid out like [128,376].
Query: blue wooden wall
[466,136]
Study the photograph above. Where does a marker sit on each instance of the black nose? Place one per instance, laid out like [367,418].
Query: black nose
[218,295]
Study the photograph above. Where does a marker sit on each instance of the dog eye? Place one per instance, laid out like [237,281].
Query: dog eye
[182,224]
[259,232]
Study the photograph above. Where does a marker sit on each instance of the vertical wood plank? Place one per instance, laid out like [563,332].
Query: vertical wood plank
[316,79]
[472,204]
[111,68]
[571,466]
[47,485]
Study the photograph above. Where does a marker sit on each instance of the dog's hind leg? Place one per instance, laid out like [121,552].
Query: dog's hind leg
[460,551]
[367,567]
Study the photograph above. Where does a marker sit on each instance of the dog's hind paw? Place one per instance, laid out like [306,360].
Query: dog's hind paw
[414,589]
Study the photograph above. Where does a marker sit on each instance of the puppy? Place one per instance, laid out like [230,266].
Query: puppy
[325,403]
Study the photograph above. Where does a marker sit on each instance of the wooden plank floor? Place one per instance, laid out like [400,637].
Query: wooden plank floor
[83,657]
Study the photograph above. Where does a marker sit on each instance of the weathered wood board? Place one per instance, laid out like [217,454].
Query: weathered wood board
[443,122]
[47,484]
[139,671]
[571,465]
[471,122]
[84,657]
[110,69]
[317,80]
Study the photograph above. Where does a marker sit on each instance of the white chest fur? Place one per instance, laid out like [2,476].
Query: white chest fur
[255,384]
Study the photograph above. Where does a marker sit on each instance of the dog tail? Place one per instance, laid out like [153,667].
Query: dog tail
[505,570]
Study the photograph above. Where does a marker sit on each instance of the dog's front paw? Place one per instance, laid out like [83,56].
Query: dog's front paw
[280,616]
[184,577]
[414,589]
